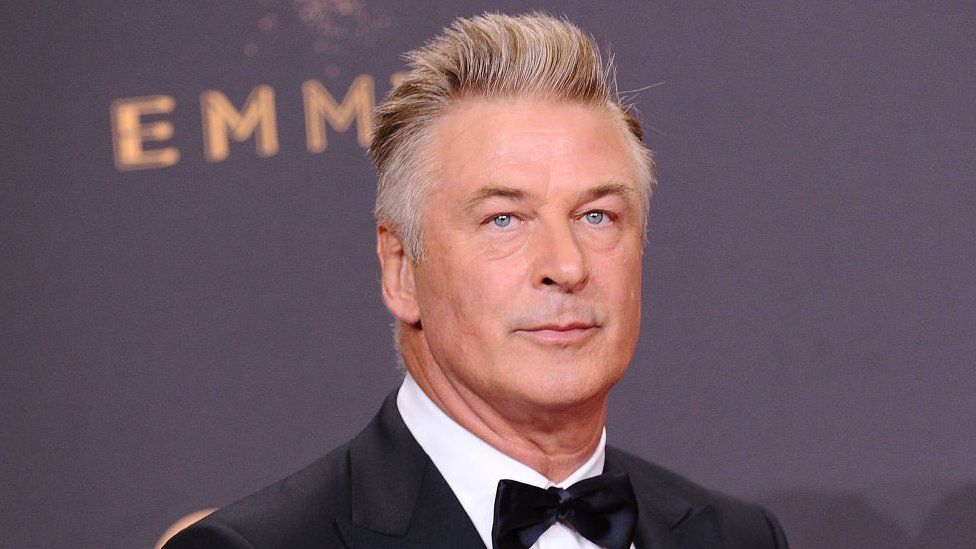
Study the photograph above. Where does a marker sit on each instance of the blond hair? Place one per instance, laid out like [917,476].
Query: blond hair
[485,57]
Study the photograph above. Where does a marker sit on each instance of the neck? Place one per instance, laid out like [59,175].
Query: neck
[553,441]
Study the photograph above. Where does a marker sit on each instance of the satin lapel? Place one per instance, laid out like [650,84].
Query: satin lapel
[665,519]
[399,499]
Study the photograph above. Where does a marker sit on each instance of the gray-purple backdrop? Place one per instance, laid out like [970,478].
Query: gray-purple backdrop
[190,306]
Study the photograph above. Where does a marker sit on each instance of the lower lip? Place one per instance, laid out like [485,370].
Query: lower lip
[559,337]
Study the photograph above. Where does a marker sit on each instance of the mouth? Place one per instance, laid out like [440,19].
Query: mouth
[562,335]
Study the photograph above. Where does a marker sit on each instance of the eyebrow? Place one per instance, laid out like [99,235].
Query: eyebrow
[485,193]
[605,189]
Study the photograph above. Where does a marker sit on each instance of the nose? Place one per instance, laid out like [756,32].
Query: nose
[560,261]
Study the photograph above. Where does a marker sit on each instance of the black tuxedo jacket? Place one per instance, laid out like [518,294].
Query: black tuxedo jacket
[382,491]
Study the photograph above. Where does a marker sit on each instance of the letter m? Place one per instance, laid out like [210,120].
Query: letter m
[321,106]
[222,121]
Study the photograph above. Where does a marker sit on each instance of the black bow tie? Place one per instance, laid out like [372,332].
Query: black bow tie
[602,509]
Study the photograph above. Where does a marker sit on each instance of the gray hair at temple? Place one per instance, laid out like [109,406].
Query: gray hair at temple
[490,56]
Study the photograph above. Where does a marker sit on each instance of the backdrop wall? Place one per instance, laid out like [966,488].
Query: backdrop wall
[190,305]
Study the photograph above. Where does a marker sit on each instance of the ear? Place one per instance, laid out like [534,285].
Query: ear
[396,276]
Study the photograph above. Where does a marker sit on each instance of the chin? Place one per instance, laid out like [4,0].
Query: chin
[564,385]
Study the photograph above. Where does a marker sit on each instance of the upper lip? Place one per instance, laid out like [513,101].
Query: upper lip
[561,327]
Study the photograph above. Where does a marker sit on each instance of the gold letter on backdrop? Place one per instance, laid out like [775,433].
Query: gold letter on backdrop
[220,116]
[129,134]
[321,106]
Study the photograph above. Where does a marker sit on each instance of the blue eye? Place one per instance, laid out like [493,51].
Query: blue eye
[595,218]
[503,220]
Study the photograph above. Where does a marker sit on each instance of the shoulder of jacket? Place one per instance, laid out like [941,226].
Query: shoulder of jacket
[747,522]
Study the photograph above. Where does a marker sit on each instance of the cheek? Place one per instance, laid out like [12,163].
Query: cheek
[466,295]
[621,271]
[622,290]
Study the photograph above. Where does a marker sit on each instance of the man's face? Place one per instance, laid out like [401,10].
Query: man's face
[529,292]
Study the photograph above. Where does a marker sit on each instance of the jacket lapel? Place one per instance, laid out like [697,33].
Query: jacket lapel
[399,499]
[665,519]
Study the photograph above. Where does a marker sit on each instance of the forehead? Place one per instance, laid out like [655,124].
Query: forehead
[521,141]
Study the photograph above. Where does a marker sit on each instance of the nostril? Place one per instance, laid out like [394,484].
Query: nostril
[548,281]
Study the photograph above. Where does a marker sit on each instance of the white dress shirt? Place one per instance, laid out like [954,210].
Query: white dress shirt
[472,467]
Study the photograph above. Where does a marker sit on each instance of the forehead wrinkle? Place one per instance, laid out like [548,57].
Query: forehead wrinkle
[530,146]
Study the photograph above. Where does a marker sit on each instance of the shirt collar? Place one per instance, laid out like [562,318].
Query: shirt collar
[472,467]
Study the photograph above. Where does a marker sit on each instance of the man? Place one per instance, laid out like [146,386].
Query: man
[513,197]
